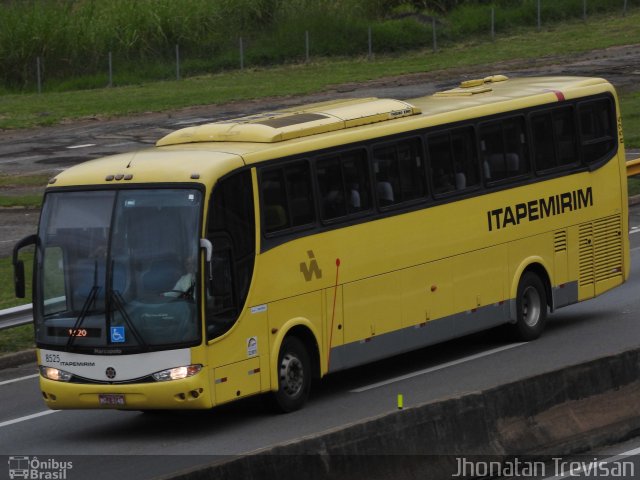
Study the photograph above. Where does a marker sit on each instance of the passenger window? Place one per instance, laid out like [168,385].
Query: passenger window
[343,181]
[554,139]
[300,194]
[287,197]
[274,198]
[543,151]
[564,135]
[454,163]
[597,129]
[399,172]
[504,153]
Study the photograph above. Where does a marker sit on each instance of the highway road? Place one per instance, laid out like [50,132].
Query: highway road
[125,445]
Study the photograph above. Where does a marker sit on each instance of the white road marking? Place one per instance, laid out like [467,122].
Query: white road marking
[19,159]
[121,144]
[193,120]
[575,472]
[13,380]
[13,160]
[634,230]
[437,367]
[28,417]
[83,146]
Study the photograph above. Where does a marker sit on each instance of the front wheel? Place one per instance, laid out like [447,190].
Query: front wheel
[531,308]
[294,376]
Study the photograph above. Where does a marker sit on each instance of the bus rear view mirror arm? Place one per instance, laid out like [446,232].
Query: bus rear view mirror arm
[18,265]
[208,247]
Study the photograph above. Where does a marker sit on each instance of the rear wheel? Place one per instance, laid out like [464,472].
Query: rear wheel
[531,308]
[294,376]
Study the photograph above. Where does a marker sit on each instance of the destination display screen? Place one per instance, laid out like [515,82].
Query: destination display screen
[74,332]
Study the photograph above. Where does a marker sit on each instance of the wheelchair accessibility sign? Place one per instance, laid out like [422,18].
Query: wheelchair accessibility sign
[117,335]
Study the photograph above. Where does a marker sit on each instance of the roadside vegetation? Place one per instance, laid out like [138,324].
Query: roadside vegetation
[22,190]
[16,339]
[73,38]
[630,106]
[23,110]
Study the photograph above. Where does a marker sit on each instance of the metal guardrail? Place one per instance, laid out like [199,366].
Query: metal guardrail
[23,315]
[633,167]
[16,316]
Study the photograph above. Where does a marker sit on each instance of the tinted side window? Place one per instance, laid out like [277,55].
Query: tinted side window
[287,197]
[504,152]
[454,163]
[554,139]
[274,198]
[597,129]
[399,172]
[343,182]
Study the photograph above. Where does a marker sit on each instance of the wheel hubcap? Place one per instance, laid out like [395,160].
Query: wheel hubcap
[291,375]
[531,306]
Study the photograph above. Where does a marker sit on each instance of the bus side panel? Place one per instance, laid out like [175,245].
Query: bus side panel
[372,306]
[334,318]
[479,278]
[537,249]
[237,380]
[427,292]
[239,359]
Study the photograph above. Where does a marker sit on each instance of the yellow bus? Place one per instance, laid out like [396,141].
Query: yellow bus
[255,254]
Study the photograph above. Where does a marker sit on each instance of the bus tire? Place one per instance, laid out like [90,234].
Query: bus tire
[531,308]
[294,376]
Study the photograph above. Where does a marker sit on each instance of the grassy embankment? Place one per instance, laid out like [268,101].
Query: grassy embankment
[28,110]
[73,38]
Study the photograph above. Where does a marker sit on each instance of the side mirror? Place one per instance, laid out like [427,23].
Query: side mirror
[18,278]
[18,265]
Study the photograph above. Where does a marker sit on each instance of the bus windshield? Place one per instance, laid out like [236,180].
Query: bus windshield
[117,270]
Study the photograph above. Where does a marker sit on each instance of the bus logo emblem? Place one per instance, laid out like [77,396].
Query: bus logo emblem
[311,270]
[111,373]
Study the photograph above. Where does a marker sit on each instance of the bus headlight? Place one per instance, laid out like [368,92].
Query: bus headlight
[177,373]
[55,374]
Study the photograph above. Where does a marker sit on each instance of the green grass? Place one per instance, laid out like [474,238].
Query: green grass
[16,339]
[634,186]
[29,110]
[23,180]
[630,106]
[28,201]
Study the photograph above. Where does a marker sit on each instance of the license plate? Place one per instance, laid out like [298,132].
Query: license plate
[111,400]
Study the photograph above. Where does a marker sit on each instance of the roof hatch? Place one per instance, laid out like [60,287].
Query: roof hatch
[472,87]
[285,125]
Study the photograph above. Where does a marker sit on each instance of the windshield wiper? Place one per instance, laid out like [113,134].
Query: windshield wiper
[118,301]
[85,308]
[115,298]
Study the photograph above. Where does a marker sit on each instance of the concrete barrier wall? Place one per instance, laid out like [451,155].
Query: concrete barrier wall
[557,413]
